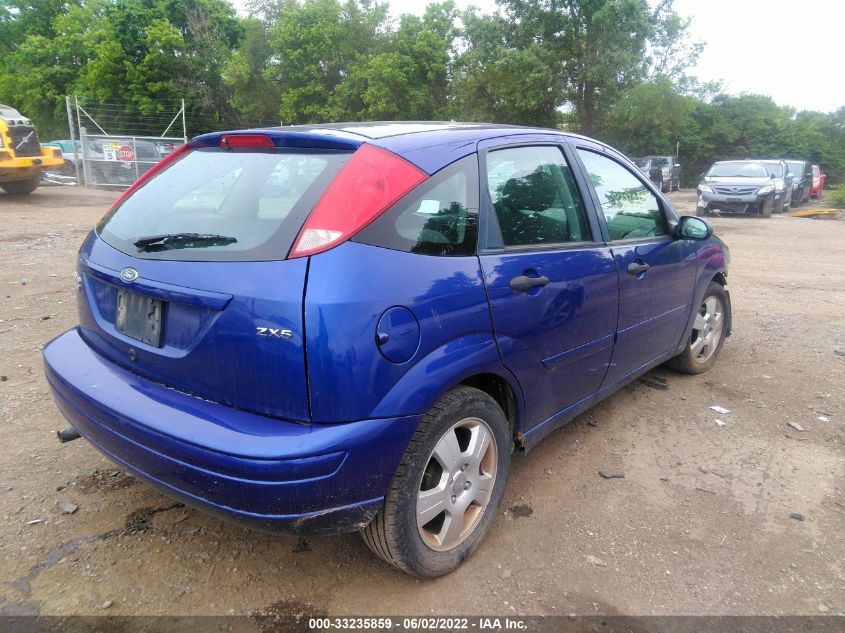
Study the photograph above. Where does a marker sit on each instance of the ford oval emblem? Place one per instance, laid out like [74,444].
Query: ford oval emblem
[128,274]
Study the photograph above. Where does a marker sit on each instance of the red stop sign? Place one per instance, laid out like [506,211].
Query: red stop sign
[126,153]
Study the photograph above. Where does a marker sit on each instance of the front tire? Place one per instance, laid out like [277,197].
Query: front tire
[447,487]
[21,187]
[766,208]
[708,333]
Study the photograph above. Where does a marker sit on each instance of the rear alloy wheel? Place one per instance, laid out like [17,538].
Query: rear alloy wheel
[21,187]
[447,488]
[708,333]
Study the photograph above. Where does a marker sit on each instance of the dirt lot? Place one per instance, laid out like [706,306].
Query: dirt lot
[699,525]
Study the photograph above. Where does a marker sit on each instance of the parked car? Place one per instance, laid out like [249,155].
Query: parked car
[802,180]
[66,174]
[818,182]
[664,171]
[779,172]
[737,186]
[366,352]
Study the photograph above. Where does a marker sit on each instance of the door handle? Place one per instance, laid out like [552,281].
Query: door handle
[524,284]
[635,269]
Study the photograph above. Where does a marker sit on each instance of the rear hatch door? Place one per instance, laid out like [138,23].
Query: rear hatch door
[185,281]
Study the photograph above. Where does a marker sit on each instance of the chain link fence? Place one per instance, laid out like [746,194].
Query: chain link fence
[110,160]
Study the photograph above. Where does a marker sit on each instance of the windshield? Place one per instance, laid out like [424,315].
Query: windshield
[246,206]
[666,161]
[737,170]
[643,163]
[775,169]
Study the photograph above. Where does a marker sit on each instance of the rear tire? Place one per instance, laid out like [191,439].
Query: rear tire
[447,487]
[708,333]
[21,187]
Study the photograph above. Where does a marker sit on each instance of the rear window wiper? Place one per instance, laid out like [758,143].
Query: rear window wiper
[155,243]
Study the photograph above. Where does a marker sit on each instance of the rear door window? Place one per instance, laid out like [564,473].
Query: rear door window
[535,197]
[260,199]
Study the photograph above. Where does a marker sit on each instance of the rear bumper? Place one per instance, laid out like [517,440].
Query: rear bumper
[260,472]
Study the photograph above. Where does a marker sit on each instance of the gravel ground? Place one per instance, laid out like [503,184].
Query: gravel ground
[699,525]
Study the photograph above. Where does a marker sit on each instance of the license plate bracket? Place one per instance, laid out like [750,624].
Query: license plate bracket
[139,316]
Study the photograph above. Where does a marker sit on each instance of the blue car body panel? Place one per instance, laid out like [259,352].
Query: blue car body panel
[557,340]
[347,380]
[260,471]
[654,307]
[304,432]
[209,348]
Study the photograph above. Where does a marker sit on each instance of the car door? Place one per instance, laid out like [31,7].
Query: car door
[551,282]
[656,272]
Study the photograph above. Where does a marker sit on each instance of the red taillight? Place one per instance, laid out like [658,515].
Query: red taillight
[246,140]
[368,184]
[161,165]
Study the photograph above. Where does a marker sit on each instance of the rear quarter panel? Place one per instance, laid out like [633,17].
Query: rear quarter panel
[348,290]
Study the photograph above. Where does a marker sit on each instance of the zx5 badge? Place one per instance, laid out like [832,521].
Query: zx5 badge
[273,332]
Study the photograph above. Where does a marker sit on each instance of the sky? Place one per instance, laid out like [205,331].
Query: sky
[788,49]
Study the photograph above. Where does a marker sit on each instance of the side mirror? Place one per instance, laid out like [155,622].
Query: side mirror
[691,227]
[772,176]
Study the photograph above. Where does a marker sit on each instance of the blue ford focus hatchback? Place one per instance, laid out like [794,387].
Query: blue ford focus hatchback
[353,326]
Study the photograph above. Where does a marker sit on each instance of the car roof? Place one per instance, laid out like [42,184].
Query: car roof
[430,145]
[387,129]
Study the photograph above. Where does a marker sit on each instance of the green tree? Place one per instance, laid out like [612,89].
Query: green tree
[500,78]
[409,77]
[316,44]
[651,119]
[255,96]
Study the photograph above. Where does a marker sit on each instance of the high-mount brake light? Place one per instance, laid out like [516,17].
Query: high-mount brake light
[160,166]
[368,185]
[246,140]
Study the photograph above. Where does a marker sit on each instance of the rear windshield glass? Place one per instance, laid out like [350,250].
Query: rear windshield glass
[738,170]
[232,205]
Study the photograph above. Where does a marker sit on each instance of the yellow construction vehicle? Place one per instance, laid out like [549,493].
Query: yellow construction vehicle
[22,159]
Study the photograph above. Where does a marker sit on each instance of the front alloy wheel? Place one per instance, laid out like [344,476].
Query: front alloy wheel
[445,492]
[708,333]
[707,329]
